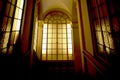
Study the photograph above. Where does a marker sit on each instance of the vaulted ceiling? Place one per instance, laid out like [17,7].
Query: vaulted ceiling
[50,5]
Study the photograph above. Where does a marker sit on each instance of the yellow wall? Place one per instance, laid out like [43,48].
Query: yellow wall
[39,40]
[86,27]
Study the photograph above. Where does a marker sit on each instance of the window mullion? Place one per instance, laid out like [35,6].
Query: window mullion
[9,44]
[99,19]
[57,40]
[67,41]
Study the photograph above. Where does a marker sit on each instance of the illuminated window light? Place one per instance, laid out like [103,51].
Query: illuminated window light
[44,39]
[69,39]
[57,41]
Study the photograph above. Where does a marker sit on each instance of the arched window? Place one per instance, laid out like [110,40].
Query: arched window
[57,37]
[11,25]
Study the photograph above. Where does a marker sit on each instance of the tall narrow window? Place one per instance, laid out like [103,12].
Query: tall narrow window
[114,12]
[100,20]
[57,37]
[11,25]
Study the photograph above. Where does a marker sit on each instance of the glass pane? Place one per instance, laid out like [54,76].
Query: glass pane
[97,24]
[54,51]
[106,39]
[49,26]
[70,57]
[64,57]
[107,24]
[43,51]
[10,49]
[18,13]
[54,36]
[9,24]
[45,26]
[64,46]
[49,31]
[103,27]
[97,27]
[49,35]
[64,36]
[49,46]
[54,57]
[100,48]
[64,41]
[4,23]
[69,45]
[49,51]
[49,57]
[44,36]
[54,26]
[49,40]
[64,26]
[44,31]
[54,31]
[43,57]
[68,26]
[69,36]
[7,9]
[20,3]
[44,46]
[59,51]
[16,24]
[59,35]
[64,31]
[6,39]
[64,51]
[12,38]
[108,28]
[59,57]
[5,44]
[69,51]
[11,11]
[59,46]
[13,1]
[99,37]
[54,46]
[111,41]
[69,31]
[59,31]
[59,40]
[108,50]
[16,37]
[54,41]
[44,41]
[4,50]
[69,41]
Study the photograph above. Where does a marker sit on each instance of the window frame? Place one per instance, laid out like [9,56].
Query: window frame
[60,20]
[9,26]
